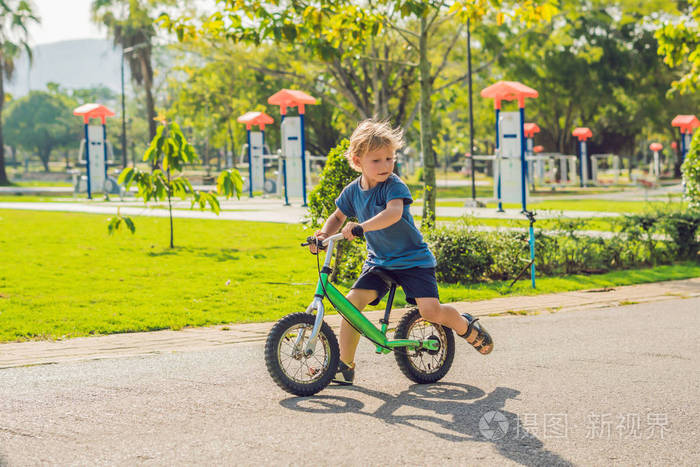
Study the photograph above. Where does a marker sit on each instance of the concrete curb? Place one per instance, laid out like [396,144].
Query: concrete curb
[142,344]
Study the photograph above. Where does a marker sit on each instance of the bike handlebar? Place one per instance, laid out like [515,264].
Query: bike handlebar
[357,231]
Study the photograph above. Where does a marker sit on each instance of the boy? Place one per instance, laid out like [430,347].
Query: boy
[380,201]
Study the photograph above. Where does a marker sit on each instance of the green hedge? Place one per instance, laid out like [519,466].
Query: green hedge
[466,255]
[691,172]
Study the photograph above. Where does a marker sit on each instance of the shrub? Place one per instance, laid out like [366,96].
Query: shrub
[461,253]
[510,251]
[335,176]
[354,255]
[691,172]
[682,228]
[466,255]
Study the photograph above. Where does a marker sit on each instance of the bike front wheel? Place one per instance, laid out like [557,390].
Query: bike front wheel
[423,365]
[286,361]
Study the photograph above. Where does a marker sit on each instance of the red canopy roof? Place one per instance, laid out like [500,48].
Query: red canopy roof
[582,133]
[508,91]
[531,129]
[687,123]
[538,149]
[656,146]
[291,98]
[255,118]
[88,111]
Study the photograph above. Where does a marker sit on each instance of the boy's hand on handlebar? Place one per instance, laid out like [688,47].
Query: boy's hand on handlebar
[320,236]
[352,230]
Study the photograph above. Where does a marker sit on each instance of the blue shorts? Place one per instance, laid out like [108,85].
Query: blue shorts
[415,282]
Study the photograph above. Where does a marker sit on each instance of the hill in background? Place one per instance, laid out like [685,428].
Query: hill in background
[72,64]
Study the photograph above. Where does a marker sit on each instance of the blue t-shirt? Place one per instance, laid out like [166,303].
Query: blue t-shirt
[399,246]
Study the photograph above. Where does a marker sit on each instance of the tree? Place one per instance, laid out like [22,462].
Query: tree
[691,172]
[15,18]
[679,44]
[170,152]
[41,122]
[130,24]
[336,31]
[595,67]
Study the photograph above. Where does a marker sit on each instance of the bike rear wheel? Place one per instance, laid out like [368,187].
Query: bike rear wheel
[286,362]
[423,365]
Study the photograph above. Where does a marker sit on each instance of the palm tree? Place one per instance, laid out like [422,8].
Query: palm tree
[15,17]
[131,27]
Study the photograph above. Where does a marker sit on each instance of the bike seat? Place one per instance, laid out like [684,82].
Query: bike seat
[384,276]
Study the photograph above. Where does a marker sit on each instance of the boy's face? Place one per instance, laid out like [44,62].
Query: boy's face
[377,165]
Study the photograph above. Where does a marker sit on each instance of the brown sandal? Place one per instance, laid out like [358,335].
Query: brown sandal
[483,342]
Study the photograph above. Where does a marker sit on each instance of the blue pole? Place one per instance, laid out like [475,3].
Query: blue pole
[523,168]
[284,170]
[581,161]
[250,167]
[303,159]
[532,255]
[682,146]
[498,165]
[87,161]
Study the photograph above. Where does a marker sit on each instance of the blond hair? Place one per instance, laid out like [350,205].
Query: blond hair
[371,135]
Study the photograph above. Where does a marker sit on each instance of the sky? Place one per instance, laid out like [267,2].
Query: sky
[63,20]
[70,19]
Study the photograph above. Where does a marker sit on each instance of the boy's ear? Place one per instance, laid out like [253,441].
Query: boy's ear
[356,161]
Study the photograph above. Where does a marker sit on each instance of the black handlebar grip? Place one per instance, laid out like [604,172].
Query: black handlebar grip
[358,231]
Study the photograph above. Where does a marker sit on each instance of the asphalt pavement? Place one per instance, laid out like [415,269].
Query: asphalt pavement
[612,386]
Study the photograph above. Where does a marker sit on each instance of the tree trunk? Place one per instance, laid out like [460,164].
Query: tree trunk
[426,132]
[3,174]
[170,210]
[232,145]
[44,155]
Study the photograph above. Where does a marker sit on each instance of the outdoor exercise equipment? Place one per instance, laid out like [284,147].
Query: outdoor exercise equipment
[583,133]
[656,165]
[535,166]
[256,144]
[510,147]
[687,124]
[294,163]
[510,168]
[95,147]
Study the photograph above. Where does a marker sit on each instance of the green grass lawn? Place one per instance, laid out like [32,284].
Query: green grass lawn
[64,276]
[34,198]
[602,205]
[41,183]
[623,207]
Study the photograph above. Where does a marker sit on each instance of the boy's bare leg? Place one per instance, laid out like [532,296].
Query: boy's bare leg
[432,310]
[349,338]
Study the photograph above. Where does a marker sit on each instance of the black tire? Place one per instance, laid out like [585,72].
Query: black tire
[320,367]
[424,366]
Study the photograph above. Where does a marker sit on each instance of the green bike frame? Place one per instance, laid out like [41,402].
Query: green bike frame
[358,321]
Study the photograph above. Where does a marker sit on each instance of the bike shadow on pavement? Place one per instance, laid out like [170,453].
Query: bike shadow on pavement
[461,413]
